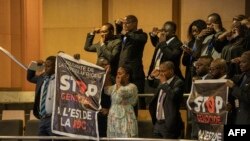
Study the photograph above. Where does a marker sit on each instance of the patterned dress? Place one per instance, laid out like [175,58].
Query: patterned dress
[122,121]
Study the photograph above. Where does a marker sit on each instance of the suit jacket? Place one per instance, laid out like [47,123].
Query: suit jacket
[110,50]
[242,92]
[131,55]
[171,52]
[233,49]
[174,95]
[38,80]
[187,60]
[216,46]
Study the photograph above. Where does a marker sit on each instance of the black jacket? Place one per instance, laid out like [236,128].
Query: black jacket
[174,96]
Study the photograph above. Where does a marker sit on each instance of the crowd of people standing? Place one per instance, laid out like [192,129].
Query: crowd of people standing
[211,52]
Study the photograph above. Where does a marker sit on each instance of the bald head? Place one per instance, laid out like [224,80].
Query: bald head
[218,68]
[202,65]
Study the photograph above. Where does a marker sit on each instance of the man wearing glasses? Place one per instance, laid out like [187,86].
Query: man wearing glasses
[133,43]
[165,105]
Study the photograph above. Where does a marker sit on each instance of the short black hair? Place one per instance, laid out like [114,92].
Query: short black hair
[169,65]
[128,71]
[132,18]
[110,26]
[247,54]
[208,59]
[172,24]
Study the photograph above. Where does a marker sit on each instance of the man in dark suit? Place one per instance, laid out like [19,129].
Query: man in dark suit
[44,94]
[240,85]
[133,43]
[167,48]
[105,103]
[165,105]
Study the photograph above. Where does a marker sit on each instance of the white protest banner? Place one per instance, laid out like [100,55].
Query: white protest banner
[77,98]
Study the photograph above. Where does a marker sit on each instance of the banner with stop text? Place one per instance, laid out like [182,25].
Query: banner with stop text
[208,103]
[77,97]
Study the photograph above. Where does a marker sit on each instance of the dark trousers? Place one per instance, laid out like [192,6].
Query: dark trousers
[45,128]
[160,131]
[102,125]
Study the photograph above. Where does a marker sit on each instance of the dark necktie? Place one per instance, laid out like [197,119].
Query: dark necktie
[243,80]
[44,95]
[210,47]
[194,48]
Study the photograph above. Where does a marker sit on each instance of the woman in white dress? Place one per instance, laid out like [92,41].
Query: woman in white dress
[122,121]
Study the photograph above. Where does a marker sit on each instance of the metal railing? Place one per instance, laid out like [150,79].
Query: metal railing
[79,138]
[151,95]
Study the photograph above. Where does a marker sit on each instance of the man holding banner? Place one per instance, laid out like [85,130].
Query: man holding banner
[44,93]
[67,96]
[77,97]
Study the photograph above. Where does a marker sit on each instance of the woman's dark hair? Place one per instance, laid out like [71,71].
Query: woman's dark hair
[242,28]
[132,18]
[128,71]
[200,24]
